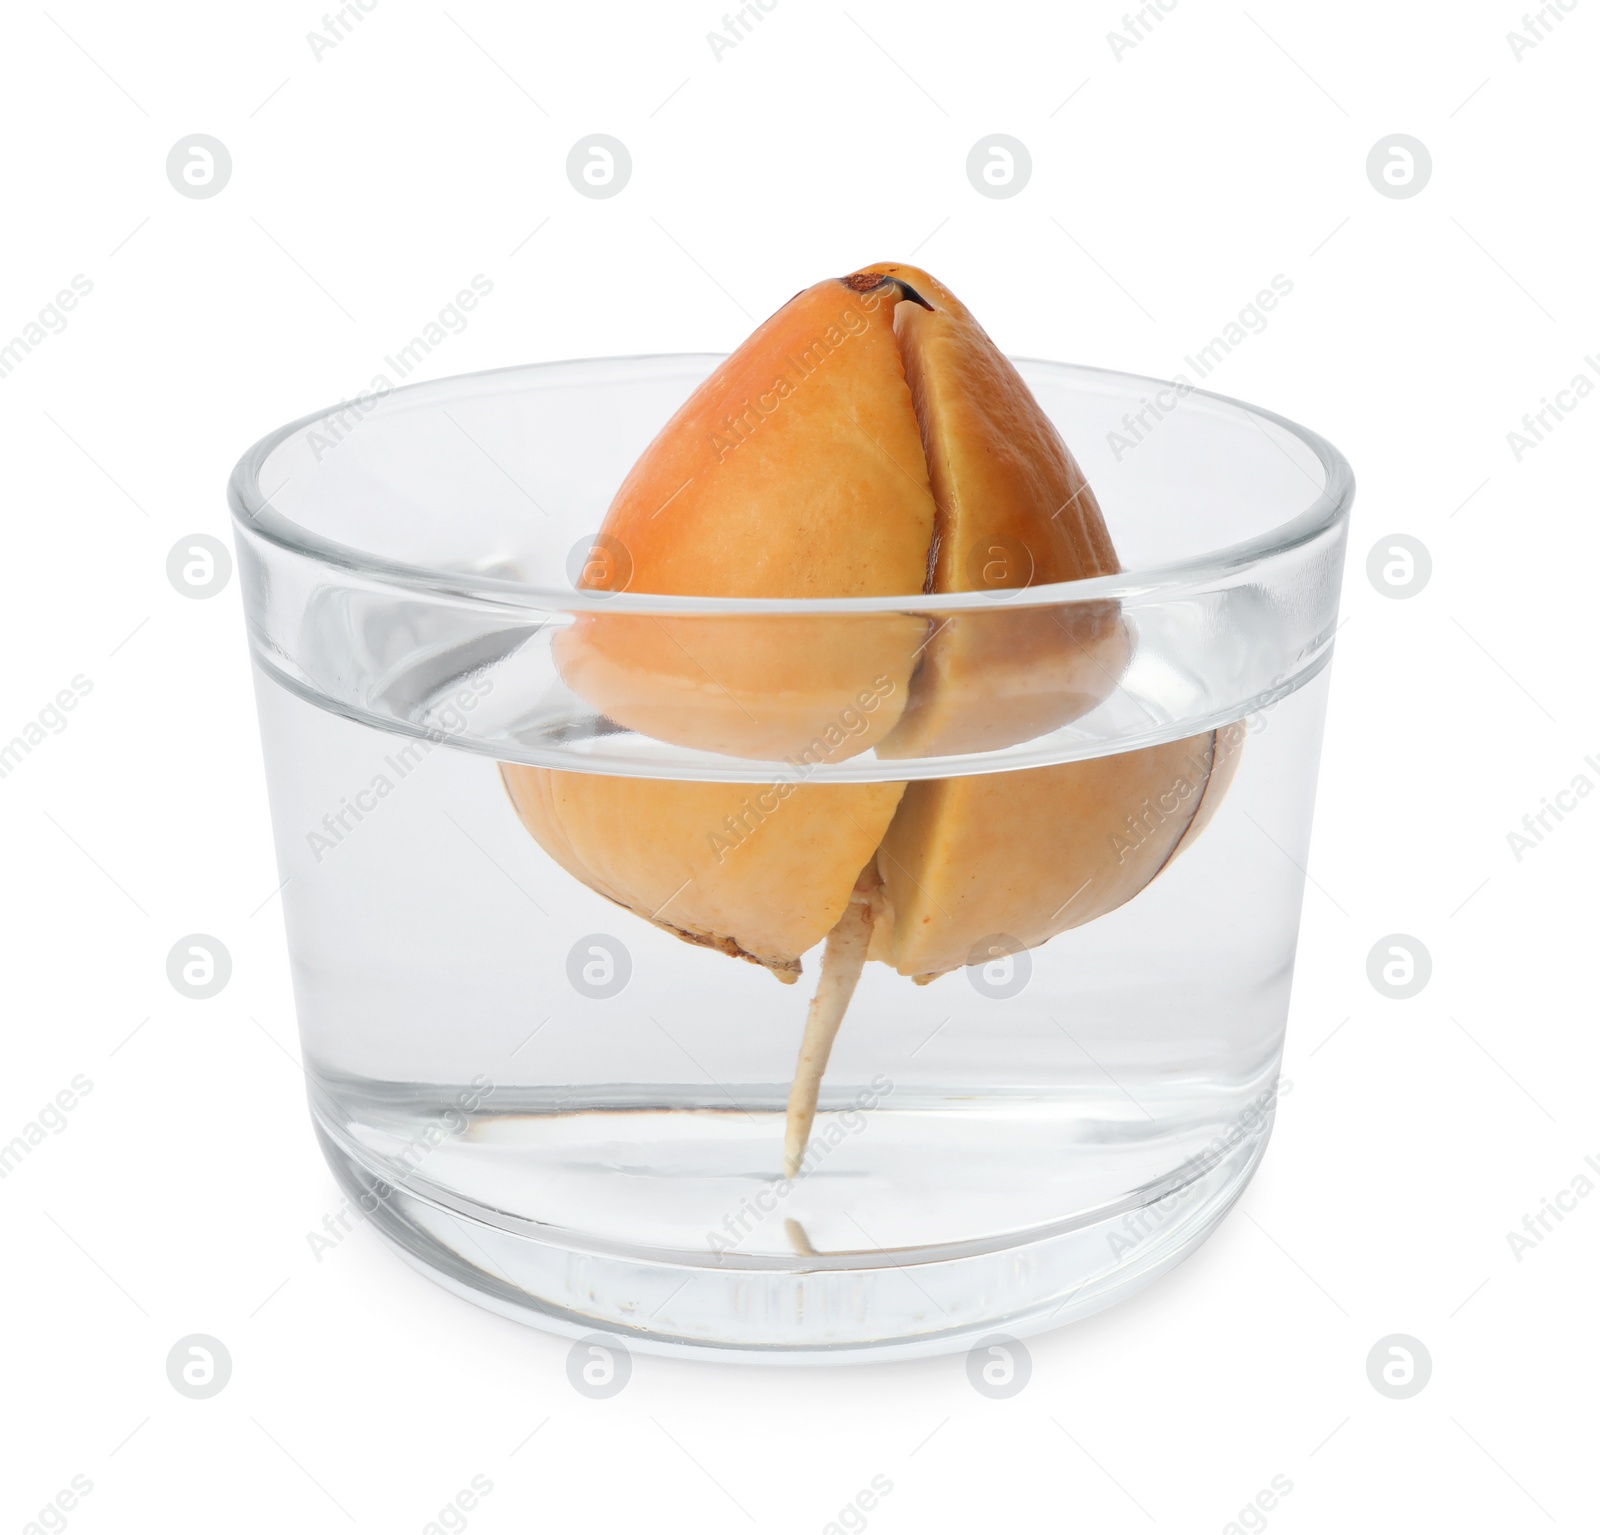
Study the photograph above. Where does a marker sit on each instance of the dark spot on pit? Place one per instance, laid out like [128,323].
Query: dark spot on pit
[867,282]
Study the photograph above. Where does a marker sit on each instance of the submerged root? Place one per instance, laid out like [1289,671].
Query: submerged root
[843,956]
[798,1238]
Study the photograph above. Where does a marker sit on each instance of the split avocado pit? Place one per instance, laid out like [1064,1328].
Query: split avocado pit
[869,440]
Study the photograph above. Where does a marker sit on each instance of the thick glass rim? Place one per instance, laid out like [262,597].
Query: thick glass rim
[253,511]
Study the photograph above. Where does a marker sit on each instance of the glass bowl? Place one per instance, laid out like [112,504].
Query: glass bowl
[557,1108]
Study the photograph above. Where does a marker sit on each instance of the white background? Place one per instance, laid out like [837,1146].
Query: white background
[1168,186]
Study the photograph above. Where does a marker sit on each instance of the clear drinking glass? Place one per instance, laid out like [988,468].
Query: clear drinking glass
[563,1112]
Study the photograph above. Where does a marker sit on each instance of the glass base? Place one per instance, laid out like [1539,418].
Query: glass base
[844,1308]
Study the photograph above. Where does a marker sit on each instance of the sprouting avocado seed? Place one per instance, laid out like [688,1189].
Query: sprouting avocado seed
[868,440]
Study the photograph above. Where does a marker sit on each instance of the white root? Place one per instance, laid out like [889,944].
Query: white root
[843,956]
